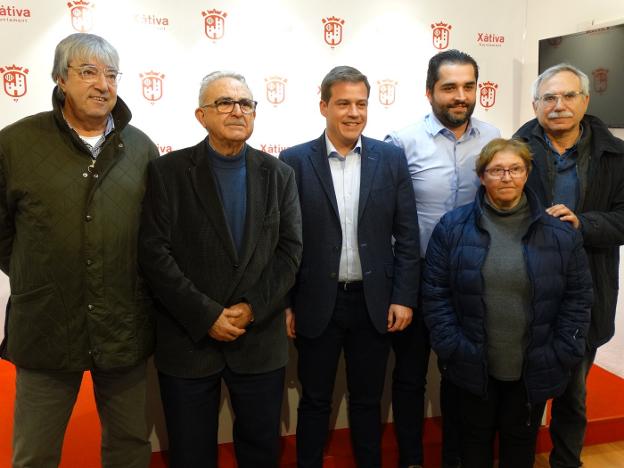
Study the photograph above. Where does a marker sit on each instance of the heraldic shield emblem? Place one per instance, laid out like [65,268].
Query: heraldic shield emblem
[601,79]
[14,81]
[214,24]
[152,85]
[441,35]
[332,30]
[387,92]
[487,94]
[275,89]
[82,16]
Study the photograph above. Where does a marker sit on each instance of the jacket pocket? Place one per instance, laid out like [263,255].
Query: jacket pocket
[37,334]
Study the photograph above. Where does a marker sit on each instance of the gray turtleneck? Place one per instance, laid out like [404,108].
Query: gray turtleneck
[507,289]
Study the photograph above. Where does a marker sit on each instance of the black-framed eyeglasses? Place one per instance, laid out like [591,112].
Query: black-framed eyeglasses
[568,98]
[91,73]
[225,106]
[514,172]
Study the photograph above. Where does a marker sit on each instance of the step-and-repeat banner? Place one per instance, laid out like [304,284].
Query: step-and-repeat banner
[284,48]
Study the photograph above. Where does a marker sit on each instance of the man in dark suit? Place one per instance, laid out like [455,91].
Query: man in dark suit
[220,243]
[355,283]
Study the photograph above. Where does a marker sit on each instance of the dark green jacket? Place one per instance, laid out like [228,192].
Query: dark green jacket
[68,242]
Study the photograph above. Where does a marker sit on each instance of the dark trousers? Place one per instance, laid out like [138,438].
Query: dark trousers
[411,351]
[191,409]
[450,408]
[366,355]
[409,378]
[569,419]
[505,410]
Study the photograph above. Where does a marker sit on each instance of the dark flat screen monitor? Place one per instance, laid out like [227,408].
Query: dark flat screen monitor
[600,54]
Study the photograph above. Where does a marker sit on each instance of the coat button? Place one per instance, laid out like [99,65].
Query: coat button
[90,307]
[88,218]
[89,262]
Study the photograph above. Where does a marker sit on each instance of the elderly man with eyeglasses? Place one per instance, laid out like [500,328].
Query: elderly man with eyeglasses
[220,244]
[578,173]
[71,185]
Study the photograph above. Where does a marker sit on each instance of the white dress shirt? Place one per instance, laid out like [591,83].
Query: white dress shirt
[345,171]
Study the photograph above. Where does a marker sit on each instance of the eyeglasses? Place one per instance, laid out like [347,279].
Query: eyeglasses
[514,172]
[567,98]
[91,73]
[225,106]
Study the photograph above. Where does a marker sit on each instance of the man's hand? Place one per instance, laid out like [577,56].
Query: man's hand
[223,330]
[564,214]
[239,315]
[399,317]
[290,323]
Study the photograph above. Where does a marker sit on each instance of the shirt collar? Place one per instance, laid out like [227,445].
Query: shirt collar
[110,124]
[434,127]
[333,153]
[567,150]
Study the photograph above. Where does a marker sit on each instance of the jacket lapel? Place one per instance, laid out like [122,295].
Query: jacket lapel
[370,161]
[257,191]
[205,187]
[320,163]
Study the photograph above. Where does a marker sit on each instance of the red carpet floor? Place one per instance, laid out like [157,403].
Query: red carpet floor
[81,448]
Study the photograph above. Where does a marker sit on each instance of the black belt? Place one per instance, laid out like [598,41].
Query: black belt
[350,285]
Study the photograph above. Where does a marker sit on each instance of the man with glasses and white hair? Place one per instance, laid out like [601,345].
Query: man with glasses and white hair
[220,244]
[578,173]
[71,185]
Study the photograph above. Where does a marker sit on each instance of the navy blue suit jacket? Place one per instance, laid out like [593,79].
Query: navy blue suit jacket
[387,234]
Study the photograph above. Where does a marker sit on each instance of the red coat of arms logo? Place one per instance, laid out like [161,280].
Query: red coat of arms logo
[332,31]
[387,92]
[14,80]
[275,89]
[601,79]
[441,35]
[214,23]
[152,85]
[81,15]
[487,94]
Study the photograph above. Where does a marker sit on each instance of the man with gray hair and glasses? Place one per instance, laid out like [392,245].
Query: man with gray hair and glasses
[220,244]
[71,185]
[578,174]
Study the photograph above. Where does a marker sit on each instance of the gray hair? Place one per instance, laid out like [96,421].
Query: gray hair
[82,46]
[552,71]
[217,75]
[341,74]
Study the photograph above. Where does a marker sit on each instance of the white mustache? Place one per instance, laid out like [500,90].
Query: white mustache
[556,115]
